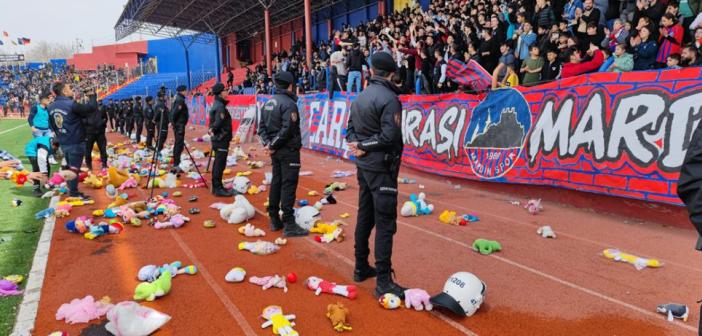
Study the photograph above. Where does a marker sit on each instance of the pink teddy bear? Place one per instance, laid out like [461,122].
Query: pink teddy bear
[175,222]
[418,298]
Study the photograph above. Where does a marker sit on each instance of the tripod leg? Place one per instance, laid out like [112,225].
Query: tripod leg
[209,161]
[154,162]
[196,168]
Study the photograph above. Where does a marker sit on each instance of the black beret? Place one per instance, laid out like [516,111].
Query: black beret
[283,78]
[181,88]
[149,98]
[383,61]
[217,88]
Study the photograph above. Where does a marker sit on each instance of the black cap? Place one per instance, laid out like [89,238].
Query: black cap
[383,61]
[181,88]
[149,98]
[137,98]
[217,88]
[283,78]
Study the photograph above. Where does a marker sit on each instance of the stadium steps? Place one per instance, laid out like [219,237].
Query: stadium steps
[149,84]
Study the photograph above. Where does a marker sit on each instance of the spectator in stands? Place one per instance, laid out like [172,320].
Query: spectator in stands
[623,61]
[578,65]
[691,56]
[673,62]
[230,77]
[543,16]
[645,50]
[338,63]
[525,40]
[502,72]
[532,67]
[355,63]
[439,75]
[617,35]
[552,70]
[671,38]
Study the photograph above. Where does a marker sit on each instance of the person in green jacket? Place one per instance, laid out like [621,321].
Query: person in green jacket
[623,61]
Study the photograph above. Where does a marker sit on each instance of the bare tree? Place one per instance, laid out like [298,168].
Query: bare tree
[43,51]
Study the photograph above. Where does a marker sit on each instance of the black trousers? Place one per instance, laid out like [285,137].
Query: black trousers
[220,150]
[129,127]
[161,140]
[111,121]
[35,168]
[90,140]
[179,135]
[139,126]
[150,130]
[377,207]
[120,125]
[286,171]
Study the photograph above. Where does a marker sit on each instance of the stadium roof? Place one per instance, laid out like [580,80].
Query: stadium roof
[171,18]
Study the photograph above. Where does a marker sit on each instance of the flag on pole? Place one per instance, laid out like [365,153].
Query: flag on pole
[25,41]
[19,41]
[470,74]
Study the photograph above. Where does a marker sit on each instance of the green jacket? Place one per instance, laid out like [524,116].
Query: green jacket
[623,63]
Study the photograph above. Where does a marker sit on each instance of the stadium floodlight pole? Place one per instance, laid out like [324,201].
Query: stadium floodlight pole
[267,25]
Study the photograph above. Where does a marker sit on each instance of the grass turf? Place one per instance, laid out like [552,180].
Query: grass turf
[19,231]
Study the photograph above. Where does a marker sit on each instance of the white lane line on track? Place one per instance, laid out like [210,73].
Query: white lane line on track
[540,273]
[223,297]
[521,223]
[12,129]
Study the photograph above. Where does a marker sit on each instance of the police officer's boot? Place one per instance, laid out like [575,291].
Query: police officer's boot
[221,192]
[291,229]
[363,272]
[275,223]
[385,284]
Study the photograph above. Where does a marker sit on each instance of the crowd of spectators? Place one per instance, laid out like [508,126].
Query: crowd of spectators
[20,86]
[518,41]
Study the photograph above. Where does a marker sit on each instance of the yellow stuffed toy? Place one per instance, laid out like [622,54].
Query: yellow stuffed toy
[449,217]
[281,323]
[116,177]
[93,181]
[324,228]
[638,262]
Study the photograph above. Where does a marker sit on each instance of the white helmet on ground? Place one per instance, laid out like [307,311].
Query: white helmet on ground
[463,294]
[306,217]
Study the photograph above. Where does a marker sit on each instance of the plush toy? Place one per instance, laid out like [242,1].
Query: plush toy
[152,272]
[128,318]
[149,291]
[418,299]
[174,222]
[209,224]
[282,324]
[338,315]
[254,164]
[76,201]
[116,177]
[485,246]
[119,201]
[306,217]
[9,288]
[280,241]
[325,228]
[336,235]
[533,206]
[98,213]
[186,166]
[674,311]
[236,274]
[270,281]
[102,229]
[131,182]
[238,212]
[546,232]
[79,225]
[416,206]
[93,181]
[251,231]
[259,247]
[329,199]
[253,190]
[241,184]
[335,186]
[20,177]
[390,301]
[320,286]
[450,218]
[60,178]
[83,310]
[111,191]
[63,210]
[46,213]
[638,262]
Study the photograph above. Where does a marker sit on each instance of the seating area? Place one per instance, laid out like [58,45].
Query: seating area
[149,84]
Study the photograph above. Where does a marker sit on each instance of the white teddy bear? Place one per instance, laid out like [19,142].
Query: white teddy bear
[238,212]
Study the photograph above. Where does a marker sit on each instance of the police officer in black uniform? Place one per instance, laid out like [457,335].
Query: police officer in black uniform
[111,114]
[138,117]
[690,182]
[95,124]
[221,134]
[129,118]
[179,118]
[161,119]
[375,138]
[279,129]
[122,114]
[149,120]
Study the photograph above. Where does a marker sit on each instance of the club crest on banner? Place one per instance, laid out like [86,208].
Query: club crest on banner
[496,133]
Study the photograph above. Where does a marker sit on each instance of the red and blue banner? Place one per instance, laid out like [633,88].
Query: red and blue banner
[620,134]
